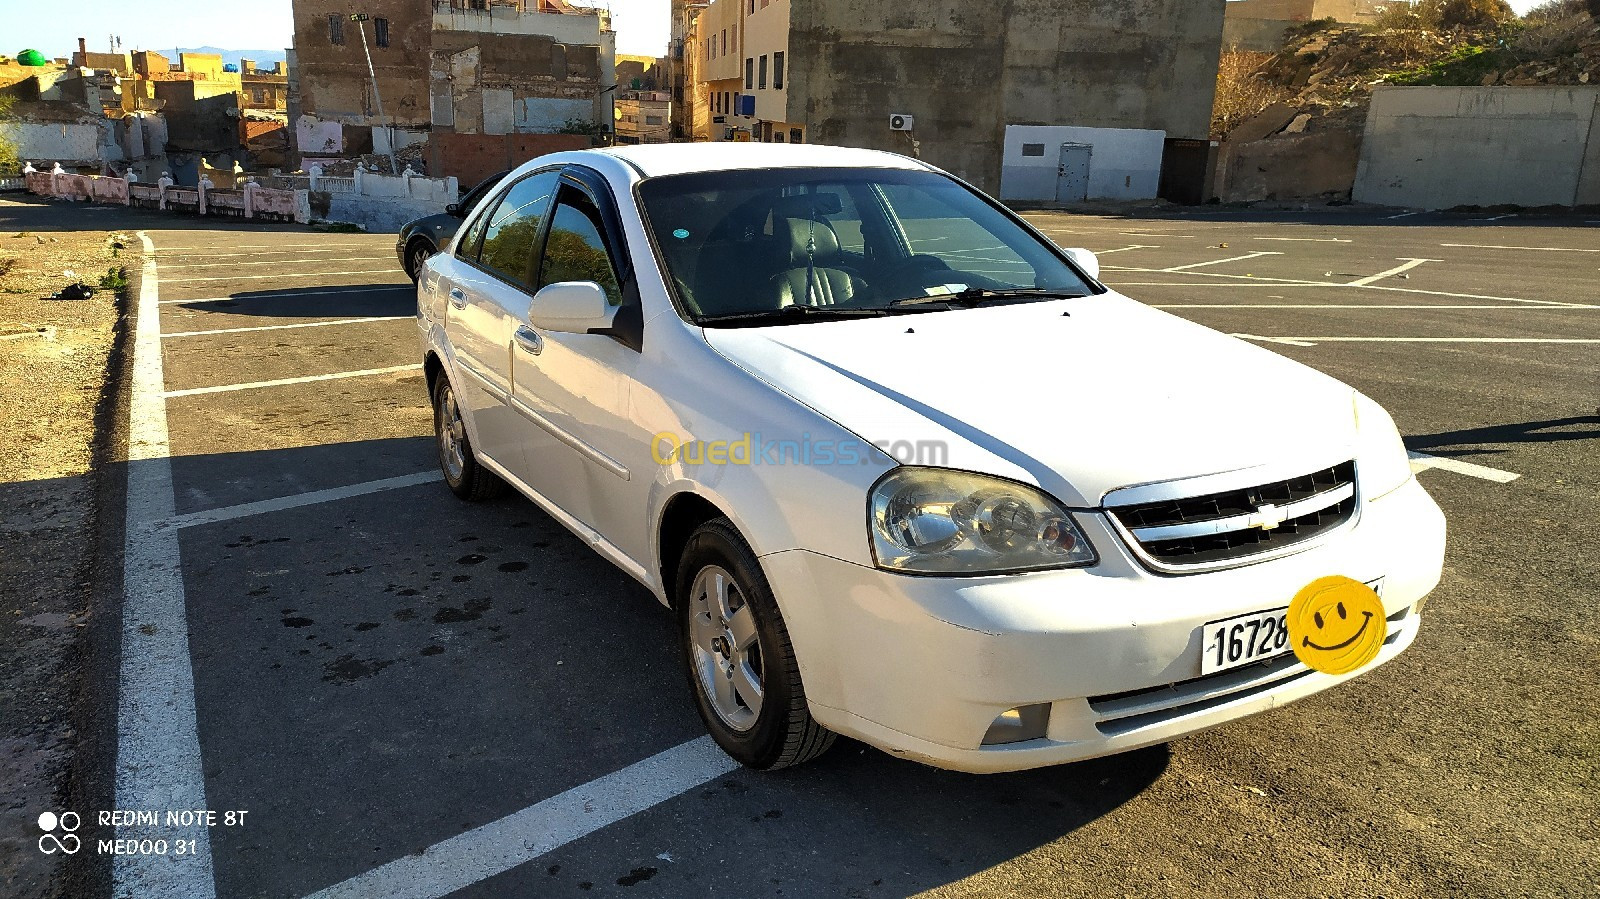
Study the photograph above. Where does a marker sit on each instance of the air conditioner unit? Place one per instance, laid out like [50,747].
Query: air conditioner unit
[901,122]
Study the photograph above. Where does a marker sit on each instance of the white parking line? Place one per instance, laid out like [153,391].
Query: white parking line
[158,740]
[1423,462]
[1379,306]
[1290,341]
[379,271]
[339,321]
[273,262]
[1397,270]
[1184,268]
[299,500]
[285,382]
[520,837]
[1253,280]
[1401,215]
[278,295]
[1125,249]
[1312,341]
[344,246]
[1307,239]
[1482,246]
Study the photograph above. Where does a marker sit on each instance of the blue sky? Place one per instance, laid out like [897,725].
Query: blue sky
[258,25]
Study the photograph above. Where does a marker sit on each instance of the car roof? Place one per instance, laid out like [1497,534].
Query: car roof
[677,159]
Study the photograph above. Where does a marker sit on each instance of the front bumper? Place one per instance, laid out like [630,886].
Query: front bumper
[922,666]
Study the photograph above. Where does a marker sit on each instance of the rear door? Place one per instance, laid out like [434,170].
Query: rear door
[488,293]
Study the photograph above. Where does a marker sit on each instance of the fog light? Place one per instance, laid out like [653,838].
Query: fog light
[1019,725]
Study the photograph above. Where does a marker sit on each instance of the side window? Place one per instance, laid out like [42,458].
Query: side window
[514,226]
[575,249]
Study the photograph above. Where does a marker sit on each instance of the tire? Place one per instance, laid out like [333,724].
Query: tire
[418,252]
[466,478]
[777,730]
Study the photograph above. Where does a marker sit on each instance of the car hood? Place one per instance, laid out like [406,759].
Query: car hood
[1079,397]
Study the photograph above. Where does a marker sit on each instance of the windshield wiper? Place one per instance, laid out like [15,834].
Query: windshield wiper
[974,296]
[797,313]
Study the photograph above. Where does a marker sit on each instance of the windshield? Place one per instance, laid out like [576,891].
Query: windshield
[743,245]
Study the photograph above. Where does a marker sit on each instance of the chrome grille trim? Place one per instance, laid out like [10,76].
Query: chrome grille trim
[1244,522]
[1208,531]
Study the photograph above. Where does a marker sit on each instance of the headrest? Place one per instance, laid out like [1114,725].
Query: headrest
[802,232]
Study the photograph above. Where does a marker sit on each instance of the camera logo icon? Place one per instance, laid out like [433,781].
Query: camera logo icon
[67,842]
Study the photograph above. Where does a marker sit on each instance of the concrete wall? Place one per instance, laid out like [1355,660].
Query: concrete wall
[967,71]
[1440,147]
[1126,163]
[64,142]
[1320,165]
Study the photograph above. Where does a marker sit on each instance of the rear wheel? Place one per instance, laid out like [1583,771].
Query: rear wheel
[738,657]
[467,479]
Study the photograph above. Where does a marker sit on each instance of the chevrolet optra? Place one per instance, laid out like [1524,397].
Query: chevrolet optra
[904,469]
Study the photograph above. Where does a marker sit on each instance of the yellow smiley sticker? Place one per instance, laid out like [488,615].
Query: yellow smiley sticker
[1336,625]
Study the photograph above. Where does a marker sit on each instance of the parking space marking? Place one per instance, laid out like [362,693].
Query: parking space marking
[1423,462]
[285,382]
[337,321]
[385,256]
[1301,282]
[158,740]
[1397,270]
[275,248]
[279,275]
[299,500]
[520,837]
[1313,341]
[1290,341]
[1307,239]
[1125,249]
[1381,306]
[278,295]
[1482,246]
[1184,268]
[1401,215]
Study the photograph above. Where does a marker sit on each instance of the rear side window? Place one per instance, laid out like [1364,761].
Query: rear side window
[513,227]
[576,249]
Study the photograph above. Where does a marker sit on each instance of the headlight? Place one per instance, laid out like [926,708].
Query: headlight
[936,521]
[1382,464]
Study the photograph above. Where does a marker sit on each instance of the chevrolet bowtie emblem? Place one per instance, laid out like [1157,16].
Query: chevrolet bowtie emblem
[1268,517]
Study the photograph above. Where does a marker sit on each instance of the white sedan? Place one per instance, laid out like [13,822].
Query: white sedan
[904,469]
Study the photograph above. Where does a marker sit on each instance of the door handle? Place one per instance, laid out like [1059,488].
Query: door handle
[457,298]
[529,340]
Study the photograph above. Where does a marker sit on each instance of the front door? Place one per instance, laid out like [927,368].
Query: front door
[1072,175]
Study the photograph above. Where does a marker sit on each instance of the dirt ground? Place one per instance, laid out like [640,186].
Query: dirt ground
[53,361]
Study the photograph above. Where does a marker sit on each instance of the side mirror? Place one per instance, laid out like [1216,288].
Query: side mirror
[1089,262]
[455,210]
[571,307]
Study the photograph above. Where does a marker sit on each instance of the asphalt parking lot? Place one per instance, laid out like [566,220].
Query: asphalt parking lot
[414,697]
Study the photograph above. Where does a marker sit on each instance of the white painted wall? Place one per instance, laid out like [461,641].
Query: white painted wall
[566,29]
[45,143]
[1126,164]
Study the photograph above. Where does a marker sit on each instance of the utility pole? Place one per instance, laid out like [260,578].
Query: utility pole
[360,19]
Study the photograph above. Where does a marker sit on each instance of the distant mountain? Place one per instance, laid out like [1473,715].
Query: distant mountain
[263,58]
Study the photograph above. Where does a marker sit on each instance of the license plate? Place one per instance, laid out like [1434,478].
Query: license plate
[1236,642]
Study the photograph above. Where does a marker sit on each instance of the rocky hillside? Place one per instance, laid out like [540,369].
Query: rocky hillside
[1328,71]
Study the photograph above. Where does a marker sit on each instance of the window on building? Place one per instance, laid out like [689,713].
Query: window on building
[752,5]
[576,249]
[761,81]
[749,73]
[1033,149]
[724,42]
[336,29]
[652,120]
[513,226]
[777,71]
[795,135]
[380,31]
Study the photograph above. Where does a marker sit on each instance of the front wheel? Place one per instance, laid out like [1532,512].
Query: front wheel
[417,255]
[466,477]
[738,657]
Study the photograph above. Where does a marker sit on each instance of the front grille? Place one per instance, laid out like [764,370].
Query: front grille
[1236,525]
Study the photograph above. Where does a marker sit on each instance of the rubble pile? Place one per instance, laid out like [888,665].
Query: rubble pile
[1329,71]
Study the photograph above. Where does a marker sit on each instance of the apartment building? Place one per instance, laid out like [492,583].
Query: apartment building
[959,83]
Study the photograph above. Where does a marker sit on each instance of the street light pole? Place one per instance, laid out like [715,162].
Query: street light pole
[360,19]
